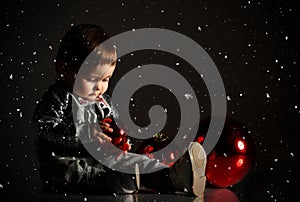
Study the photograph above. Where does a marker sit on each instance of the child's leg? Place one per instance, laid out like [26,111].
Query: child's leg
[84,175]
[187,175]
[154,175]
[87,175]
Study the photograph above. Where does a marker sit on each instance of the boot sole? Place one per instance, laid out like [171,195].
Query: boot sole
[198,161]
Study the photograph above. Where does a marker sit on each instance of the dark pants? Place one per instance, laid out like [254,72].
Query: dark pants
[88,176]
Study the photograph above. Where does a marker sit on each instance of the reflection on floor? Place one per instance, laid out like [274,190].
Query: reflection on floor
[210,195]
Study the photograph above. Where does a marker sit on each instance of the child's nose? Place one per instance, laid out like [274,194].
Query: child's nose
[98,86]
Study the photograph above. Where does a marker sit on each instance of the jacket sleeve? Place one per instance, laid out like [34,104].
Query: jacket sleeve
[65,165]
[54,121]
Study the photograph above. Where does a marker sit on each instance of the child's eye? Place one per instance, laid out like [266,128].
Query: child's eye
[106,80]
[91,79]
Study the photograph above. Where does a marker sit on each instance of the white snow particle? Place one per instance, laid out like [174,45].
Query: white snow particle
[228,98]
[199,28]
[50,47]
[34,53]
[11,76]
[85,199]
[188,96]
[268,95]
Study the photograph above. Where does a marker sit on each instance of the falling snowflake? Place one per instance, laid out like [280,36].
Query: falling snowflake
[188,96]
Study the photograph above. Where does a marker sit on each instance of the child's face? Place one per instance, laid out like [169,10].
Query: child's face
[93,82]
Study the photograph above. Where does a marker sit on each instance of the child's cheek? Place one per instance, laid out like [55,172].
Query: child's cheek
[80,88]
[105,87]
[87,88]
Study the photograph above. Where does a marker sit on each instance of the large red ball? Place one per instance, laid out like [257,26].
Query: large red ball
[232,157]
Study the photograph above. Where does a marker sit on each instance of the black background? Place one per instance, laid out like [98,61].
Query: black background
[254,44]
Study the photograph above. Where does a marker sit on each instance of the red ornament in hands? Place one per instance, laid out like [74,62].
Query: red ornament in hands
[231,159]
[118,137]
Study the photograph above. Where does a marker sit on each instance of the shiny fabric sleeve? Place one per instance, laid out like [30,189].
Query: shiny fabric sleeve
[54,121]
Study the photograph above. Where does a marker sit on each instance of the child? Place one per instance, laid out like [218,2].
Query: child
[65,164]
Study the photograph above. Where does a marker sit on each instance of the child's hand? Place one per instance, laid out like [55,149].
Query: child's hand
[117,136]
[99,135]
[105,125]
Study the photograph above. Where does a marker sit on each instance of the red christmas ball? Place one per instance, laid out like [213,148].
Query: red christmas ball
[232,157]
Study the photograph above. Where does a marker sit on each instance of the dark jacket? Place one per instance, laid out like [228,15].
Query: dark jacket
[65,164]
